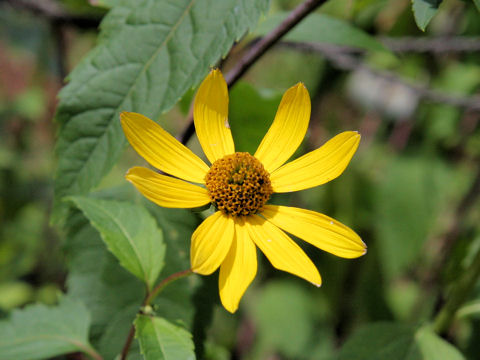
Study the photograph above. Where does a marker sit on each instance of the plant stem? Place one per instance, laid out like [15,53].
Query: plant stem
[147,301]
[153,294]
[457,297]
[260,48]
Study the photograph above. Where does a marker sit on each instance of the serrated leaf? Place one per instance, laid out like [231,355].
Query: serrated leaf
[40,332]
[161,340]
[111,294]
[148,57]
[97,279]
[424,10]
[397,342]
[321,28]
[130,233]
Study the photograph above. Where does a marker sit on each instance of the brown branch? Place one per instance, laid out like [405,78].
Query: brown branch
[53,12]
[128,343]
[257,50]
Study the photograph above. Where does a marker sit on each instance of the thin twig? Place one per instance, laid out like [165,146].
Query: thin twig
[441,44]
[348,62]
[147,301]
[58,32]
[259,49]
[128,343]
[404,44]
[54,13]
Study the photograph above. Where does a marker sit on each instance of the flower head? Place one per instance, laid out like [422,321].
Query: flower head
[239,186]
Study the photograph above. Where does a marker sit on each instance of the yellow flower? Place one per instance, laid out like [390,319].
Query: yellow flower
[239,185]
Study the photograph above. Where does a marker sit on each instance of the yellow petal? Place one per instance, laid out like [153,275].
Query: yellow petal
[210,114]
[211,242]
[317,167]
[167,191]
[161,149]
[288,128]
[239,268]
[317,229]
[283,252]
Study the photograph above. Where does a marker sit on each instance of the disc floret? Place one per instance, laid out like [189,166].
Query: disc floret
[238,184]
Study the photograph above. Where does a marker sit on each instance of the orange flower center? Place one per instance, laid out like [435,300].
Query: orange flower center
[238,184]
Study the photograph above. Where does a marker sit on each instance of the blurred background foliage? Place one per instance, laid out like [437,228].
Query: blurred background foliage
[411,190]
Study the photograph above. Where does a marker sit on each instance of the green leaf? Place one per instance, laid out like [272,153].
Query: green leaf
[111,294]
[290,332]
[321,28]
[470,309]
[433,347]
[424,10]
[148,57]
[40,332]
[407,201]
[130,233]
[397,342]
[161,340]
[96,278]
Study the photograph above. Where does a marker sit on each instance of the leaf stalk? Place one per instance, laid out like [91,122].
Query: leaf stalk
[151,295]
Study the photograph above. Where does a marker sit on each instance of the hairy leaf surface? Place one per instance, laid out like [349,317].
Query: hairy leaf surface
[148,56]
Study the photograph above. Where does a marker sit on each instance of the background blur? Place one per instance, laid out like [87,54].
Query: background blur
[411,190]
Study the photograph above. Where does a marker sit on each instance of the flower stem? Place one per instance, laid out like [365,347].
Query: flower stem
[258,49]
[459,293]
[147,301]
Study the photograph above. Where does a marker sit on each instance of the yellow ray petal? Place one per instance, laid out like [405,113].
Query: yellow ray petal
[317,167]
[317,229]
[161,149]
[211,242]
[167,191]
[283,252]
[210,113]
[239,268]
[287,130]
